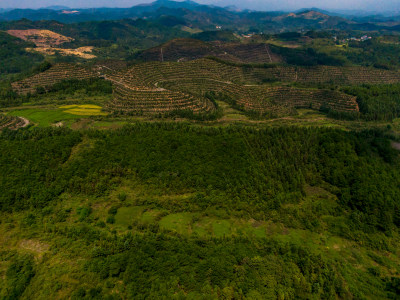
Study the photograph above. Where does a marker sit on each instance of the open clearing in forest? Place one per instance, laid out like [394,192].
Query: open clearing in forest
[187,223]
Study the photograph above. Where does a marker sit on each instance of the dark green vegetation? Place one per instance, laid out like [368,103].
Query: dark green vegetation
[377,102]
[13,56]
[134,204]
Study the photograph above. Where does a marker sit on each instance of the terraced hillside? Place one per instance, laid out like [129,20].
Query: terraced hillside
[275,100]
[12,122]
[159,88]
[138,90]
[323,74]
[54,75]
[248,53]
[179,50]
[153,72]
[156,101]
[195,79]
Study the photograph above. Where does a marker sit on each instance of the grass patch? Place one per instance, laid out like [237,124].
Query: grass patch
[67,114]
[44,117]
[126,215]
[221,228]
[179,222]
[150,216]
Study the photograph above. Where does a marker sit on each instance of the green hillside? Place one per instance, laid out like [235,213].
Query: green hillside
[13,56]
[204,212]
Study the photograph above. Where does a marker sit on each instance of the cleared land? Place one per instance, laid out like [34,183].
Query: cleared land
[41,38]
[83,52]
[47,42]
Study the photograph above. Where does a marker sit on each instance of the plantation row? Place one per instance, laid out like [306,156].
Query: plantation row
[50,77]
[179,50]
[155,87]
[127,101]
[249,53]
[322,74]
[148,74]
[10,122]
[277,99]
[305,98]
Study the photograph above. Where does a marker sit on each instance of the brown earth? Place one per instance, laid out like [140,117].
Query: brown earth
[41,38]
[47,41]
[83,52]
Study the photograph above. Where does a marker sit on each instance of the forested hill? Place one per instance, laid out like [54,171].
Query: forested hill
[13,56]
[228,212]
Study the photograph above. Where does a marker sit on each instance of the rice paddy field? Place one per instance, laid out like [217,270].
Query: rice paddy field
[83,110]
[58,116]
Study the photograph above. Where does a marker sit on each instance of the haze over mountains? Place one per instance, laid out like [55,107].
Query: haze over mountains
[365,8]
[261,5]
[206,17]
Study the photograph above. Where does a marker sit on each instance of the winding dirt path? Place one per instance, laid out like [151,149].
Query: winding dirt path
[26,122]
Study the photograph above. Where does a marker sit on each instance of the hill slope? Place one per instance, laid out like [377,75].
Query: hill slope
[191,49]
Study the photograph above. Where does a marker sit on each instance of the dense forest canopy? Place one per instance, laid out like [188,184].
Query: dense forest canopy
[246,173]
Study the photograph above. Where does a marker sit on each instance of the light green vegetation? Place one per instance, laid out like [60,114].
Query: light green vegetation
[82,117]
[60,116]
[231,114]
[126,215]
[179,222]
[43,117]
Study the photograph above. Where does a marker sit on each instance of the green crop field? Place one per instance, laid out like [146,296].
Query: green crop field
[44,117]
[63,115]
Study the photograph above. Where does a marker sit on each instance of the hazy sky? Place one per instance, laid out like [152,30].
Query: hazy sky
[369,5]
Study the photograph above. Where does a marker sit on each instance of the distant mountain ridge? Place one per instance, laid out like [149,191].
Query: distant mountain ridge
[207,17]
[57,7]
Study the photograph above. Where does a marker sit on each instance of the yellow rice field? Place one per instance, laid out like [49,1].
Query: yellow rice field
[84,110]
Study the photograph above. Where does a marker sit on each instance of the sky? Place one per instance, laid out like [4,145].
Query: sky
[266,5]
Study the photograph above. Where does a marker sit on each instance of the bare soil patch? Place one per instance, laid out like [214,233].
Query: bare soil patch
[84,52]
[48,42]
[41,38]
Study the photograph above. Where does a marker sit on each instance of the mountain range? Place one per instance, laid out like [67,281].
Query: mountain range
[206,17]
